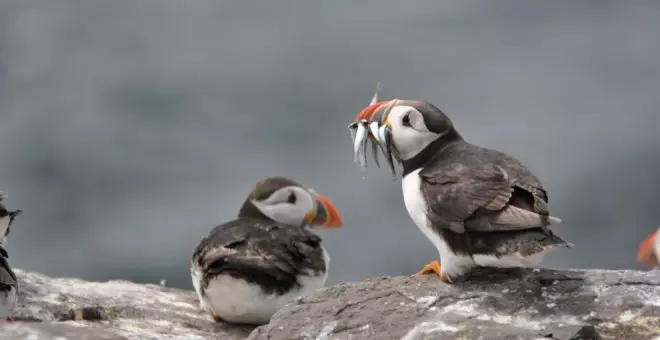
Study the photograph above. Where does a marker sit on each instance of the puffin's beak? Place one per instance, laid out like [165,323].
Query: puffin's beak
[366,122]
[646,254]
[369,125]
[326,214]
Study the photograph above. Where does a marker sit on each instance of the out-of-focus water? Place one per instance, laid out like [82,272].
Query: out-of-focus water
[128,129]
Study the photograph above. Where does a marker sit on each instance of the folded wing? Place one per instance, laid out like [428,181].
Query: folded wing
[266,253]
[482,197]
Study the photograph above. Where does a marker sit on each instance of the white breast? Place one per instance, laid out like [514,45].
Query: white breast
[452,264]
[238,301]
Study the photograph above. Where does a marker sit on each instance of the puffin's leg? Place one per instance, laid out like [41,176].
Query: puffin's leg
[433,267]
[217,317]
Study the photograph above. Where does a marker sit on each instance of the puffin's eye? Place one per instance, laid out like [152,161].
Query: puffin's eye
[406,120]
[292,198]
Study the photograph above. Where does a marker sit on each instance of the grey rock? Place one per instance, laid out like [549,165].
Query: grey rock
[488,304]
[115,310]
[48,331]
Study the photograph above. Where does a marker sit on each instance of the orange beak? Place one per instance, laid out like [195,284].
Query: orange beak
[374,113]
[646,254]
[368,112]
[326,215]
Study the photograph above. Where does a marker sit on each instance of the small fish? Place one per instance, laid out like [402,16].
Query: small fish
[381,134]
[388,154]
[360,138]
[362,132]
[374,150]
[373,129]
[364,153]
[362,146]
[352,128]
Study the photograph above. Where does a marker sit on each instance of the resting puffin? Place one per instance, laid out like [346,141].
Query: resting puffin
[248,268]
[478,206]
[8,284]
[649,251]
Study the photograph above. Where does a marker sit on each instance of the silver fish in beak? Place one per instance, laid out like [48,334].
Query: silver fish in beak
[373,120]
[360,139]
[362,130]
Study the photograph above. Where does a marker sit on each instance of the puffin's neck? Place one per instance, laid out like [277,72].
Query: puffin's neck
[250,210]
[426,155]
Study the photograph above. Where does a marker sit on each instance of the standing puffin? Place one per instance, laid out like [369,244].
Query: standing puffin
[478,206]
[649,251]
[248,268]
[8,284]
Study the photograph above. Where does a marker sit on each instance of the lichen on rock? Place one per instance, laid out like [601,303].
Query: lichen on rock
[116,309]
[488,304]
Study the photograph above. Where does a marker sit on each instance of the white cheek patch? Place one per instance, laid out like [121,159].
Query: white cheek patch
[279,210]
[417,122]
[409,140]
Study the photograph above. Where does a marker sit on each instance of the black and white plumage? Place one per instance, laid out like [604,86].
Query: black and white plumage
[479,207]
[247,269]
[8,283]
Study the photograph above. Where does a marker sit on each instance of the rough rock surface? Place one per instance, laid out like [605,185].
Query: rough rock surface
[492,305]
[118,310]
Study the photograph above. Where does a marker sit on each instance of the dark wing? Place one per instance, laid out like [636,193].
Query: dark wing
[454,192]
[530,193]
[267,253]
[477,195]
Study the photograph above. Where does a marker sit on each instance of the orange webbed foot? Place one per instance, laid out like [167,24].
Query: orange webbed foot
[217,318]
[435,268]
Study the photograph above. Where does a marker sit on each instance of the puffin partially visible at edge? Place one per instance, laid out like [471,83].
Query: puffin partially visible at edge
[649,250]
[8,283]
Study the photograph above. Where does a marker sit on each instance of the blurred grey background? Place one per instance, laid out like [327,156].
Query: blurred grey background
[128,129]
